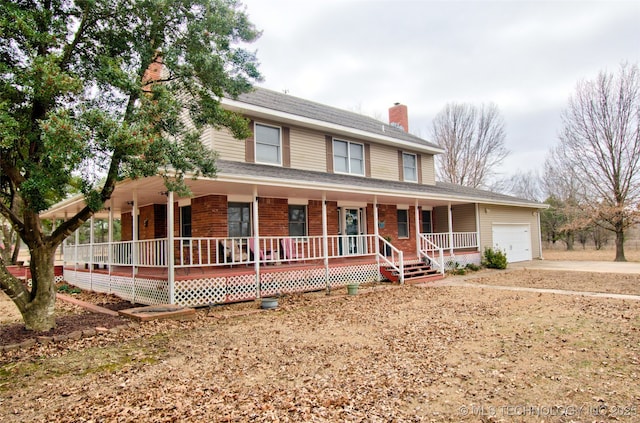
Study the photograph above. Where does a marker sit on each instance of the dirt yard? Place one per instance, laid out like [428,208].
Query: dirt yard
[391,353]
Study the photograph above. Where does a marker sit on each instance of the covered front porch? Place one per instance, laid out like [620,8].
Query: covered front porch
[233,241]
[206,271]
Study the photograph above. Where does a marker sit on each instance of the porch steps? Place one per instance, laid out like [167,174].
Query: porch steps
[413,273]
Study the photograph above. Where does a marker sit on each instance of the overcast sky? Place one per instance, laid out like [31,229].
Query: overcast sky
[525,56]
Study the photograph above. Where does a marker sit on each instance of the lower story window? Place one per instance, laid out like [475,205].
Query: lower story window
[403,223]
[426,222]
[239,220]
[297,221]
[185,222]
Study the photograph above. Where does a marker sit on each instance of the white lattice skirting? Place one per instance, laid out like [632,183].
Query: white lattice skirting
[206,291]
[461,260]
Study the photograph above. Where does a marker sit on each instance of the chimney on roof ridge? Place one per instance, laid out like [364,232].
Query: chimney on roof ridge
[399,117]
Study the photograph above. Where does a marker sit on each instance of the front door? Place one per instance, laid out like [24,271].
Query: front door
[352,224]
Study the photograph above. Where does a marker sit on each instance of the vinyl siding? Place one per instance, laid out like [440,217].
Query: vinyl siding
[384,163]
[308,150]
[490,214]
[463,217]
[440,219]
[227,147]
[428,169]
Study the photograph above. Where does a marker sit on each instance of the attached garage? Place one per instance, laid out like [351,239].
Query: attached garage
[514,239]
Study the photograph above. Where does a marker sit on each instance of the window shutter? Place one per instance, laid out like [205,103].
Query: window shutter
[400,165]
[367,160]
[286,147]
[329,142]
[419,167]
[250,145]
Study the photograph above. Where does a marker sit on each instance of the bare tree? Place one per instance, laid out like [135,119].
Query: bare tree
[600,144]
[560,187]
[526,185]
[473,139]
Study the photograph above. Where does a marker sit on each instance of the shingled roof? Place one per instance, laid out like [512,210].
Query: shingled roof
[440,190]
[309,109]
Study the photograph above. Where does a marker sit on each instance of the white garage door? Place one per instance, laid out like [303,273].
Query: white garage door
[514,240]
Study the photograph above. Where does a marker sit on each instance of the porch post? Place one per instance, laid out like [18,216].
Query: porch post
[134,243]
[450,230]
[417,216]
[170,250]
[256,241]
[325,242]
[110,245]
[75,252]
[376,232]
[539,235]
[478,227]
[91,241]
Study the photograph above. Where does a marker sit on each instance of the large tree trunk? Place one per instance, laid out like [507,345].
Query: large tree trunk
[620,245]
[37,305]
[39,314]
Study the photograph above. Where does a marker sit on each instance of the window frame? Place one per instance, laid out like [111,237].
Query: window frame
[256,143]
[403,225]
[305,226]
[429,221]
[404,167]
[349,157]
[184,232]
[240,205]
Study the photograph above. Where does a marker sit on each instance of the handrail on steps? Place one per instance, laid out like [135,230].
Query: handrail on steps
[397,256]
[426,246]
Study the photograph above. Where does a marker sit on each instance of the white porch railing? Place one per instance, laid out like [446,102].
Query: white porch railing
[460,239]
[431,252]
[394,258]
[192,252]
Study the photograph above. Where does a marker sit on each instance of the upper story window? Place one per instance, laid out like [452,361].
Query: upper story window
[268,142]
[348,157]
[410,167]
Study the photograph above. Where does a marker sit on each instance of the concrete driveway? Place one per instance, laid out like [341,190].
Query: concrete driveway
[580,266]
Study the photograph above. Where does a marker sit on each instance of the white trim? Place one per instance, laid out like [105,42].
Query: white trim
[241,107]
[352,204]
[298,201]
[402,206]
[239,198]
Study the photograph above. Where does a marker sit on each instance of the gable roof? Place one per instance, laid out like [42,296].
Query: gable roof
[296,106]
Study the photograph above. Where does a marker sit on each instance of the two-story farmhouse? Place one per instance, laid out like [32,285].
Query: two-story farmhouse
[317,198]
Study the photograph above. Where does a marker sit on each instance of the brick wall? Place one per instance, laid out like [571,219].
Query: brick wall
[274,216]
[208,216]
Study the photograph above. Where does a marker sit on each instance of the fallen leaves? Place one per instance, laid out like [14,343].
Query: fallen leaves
[399,354]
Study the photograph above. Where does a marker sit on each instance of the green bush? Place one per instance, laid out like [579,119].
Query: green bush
[69,289]
[494,259]
[472,267]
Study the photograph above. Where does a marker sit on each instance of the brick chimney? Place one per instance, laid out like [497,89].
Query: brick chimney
[153,72]
[398,116]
